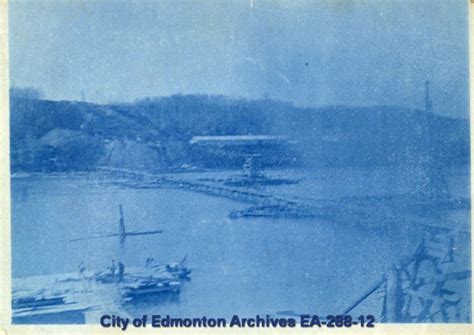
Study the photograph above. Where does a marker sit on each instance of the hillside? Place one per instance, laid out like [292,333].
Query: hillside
[154,134]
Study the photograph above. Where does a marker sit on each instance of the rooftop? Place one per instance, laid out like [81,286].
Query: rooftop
[237,138]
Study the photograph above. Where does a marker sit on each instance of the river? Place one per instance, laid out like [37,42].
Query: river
[246,266]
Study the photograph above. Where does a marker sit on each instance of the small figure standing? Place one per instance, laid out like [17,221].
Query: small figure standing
[150,262]
[121,270]
[82,276]
[122,231]
[82,268]
[113,268]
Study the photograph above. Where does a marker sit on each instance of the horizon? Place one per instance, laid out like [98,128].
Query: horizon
[155,99]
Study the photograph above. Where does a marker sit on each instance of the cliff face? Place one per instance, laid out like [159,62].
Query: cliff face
[154,134]
[62,136]
[132,155]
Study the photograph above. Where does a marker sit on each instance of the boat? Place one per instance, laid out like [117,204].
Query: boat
[147,288]
[178,270]
[34,301]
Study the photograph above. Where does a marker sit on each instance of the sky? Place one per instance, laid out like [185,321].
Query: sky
[310,53]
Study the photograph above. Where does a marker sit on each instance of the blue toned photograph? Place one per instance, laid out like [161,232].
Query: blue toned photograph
[239,163]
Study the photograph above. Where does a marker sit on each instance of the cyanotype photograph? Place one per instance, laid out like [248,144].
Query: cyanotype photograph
[243,164]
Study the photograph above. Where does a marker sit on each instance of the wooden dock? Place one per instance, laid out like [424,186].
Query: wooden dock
[84,297]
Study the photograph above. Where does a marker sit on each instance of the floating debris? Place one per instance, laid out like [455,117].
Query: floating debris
[274,211]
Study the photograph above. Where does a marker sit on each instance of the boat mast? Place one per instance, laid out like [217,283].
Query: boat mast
[121,224]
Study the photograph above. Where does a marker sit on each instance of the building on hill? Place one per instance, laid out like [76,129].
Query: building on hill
[232,151]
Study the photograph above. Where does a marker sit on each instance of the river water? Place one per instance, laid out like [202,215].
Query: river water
[245,266]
